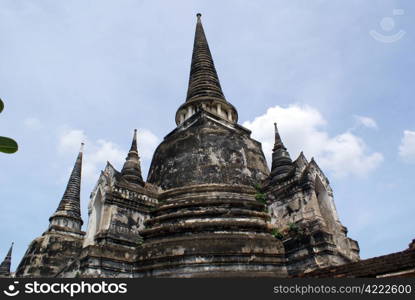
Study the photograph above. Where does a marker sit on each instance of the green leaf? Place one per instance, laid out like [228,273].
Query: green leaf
[7,145]
[1,106]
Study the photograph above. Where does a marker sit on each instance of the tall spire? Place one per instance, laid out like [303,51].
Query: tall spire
[204,90]
[203,80]
[281,160]
[5,265]
[131,171]
[70,206]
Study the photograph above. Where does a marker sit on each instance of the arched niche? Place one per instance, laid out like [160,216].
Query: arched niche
[97,207]
[94,224]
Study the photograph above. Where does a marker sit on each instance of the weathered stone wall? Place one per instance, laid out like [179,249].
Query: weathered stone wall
[50,253]
[117,210]
[205,149]
[121,223]
[303,213]
[107,261]
[210,230]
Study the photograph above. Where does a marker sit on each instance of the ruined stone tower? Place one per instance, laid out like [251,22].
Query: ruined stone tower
[62,241]
[210,206]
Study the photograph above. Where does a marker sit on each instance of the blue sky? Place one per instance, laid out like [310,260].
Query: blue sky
[95,70]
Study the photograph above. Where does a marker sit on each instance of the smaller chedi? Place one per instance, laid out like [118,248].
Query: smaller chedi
[210,206]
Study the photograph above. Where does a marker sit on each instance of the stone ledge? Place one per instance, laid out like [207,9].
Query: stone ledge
[200,188]
[209,212]
[203,227]
[251,204]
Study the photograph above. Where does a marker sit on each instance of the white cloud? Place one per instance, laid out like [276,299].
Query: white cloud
[32,123]
[147,143]
[366,122]
[345,154]
[407,146]
[98,152]
[302,128]
[70,140]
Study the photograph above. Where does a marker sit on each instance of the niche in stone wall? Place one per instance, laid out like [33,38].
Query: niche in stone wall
[324,202]
[98,212]
[94,223]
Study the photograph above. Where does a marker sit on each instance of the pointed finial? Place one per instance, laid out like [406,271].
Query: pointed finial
[198,15]
[82,147]
[277,140]
[281,161]
[70,204]
[133,147]
[131,170]
[10,250]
